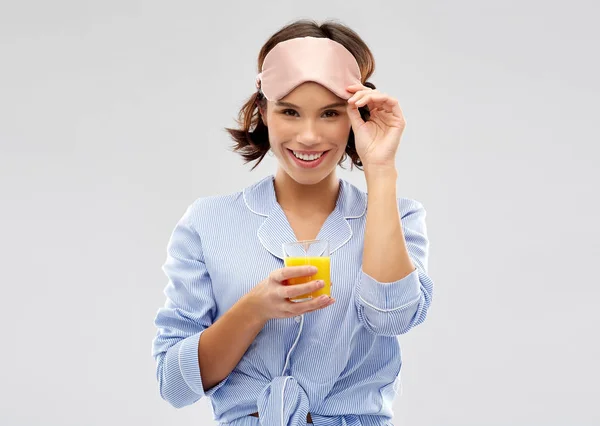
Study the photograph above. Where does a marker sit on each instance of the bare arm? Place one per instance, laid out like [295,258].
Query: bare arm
[224,343]
[385,255]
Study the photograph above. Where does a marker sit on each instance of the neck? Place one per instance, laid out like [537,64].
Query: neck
[307,200]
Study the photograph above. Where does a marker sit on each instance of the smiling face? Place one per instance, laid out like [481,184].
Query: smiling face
[308,132]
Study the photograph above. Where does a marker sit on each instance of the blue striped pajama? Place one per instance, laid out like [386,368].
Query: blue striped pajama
[342,363]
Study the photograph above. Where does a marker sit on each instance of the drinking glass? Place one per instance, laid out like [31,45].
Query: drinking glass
[309,252]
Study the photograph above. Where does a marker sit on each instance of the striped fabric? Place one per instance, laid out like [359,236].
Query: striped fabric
[342,363]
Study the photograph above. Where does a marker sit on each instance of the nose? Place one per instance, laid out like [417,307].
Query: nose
[308,133]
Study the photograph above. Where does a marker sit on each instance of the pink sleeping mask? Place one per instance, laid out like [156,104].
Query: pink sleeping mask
[295,61]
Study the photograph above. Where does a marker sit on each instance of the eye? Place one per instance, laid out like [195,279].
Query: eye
[285,112]
[293,113]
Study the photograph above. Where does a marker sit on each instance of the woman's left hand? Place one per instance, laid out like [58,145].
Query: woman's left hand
[377,139]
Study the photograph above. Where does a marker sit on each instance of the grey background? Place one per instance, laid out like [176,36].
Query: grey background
[111,118]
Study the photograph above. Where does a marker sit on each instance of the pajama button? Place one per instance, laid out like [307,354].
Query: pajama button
[297,319]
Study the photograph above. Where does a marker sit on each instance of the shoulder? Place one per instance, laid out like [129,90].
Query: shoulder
[215,206]
[212,209]
[410,206]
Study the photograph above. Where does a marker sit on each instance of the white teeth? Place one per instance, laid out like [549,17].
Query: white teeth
[307,157]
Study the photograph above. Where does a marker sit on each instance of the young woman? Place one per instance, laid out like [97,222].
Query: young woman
[228,329]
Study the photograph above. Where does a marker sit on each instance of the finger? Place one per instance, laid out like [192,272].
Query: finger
[313,305]
[288,272]
[355,96]
[392,116]
[355,119]
[381,100]
[295,290]
[387,118]
[355,87]
[359,94]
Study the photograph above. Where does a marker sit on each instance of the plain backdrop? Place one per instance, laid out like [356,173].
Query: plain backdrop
[111,124]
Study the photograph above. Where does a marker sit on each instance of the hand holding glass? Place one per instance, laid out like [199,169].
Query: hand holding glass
[309,252]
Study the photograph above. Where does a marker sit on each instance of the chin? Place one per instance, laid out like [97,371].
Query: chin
[303,179]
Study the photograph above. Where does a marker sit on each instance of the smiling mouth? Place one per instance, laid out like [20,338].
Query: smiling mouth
[307,156]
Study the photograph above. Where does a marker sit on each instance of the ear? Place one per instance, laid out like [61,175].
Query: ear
[263,117]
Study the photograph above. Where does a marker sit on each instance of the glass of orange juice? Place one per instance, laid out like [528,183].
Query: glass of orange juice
[309,252]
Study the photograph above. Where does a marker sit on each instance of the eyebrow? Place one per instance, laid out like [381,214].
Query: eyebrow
[290,105]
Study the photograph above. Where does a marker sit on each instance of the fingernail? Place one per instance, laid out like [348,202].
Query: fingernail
[324,298]
[321,283]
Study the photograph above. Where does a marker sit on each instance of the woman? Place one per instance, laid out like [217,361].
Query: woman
[228,329]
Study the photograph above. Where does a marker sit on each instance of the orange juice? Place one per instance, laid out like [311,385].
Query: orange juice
[322,263]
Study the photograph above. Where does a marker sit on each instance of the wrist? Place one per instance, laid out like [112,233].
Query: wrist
[251,310]
[381,173]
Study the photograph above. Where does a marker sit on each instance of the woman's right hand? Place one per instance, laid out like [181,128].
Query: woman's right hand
[270,298]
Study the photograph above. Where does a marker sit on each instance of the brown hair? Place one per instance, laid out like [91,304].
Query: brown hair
[252,138]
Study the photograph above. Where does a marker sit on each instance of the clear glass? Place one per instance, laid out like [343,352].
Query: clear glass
[309,252]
